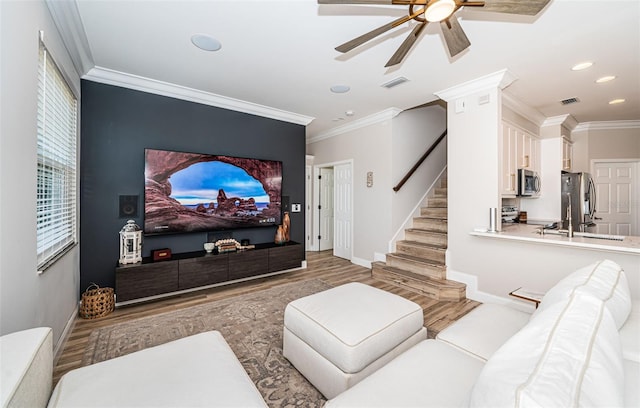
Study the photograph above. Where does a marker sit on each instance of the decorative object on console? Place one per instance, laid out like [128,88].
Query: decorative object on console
[286,226]
[96,302]
[130,243]
[279,238]
[209,246]
[227,245]
[161,254]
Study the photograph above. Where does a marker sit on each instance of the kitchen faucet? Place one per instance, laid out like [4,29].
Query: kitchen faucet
[569,230]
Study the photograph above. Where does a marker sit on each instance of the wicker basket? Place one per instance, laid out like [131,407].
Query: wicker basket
[96,302]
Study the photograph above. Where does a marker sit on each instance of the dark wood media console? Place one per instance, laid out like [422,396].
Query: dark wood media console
[191,270]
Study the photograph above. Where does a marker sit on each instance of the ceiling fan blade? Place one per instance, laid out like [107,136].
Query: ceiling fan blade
[528,8]
[454,36]
[349,45]
[384,2]
[406,45]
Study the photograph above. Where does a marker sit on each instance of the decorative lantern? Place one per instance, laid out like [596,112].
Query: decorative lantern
[130,243]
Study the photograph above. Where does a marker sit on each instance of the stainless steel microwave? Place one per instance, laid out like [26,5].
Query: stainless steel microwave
[528,183]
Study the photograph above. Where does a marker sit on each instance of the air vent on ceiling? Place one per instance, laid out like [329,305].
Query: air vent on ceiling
[569,101]
[394,82]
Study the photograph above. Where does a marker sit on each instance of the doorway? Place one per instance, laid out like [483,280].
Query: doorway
[333,208]
[617,196]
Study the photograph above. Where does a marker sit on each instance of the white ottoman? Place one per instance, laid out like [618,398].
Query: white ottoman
[337,337]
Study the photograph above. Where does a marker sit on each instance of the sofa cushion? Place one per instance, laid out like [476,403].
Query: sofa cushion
[195,371]
[630,334]
[568,355]
[26,368]
[353,325]
[484,329]
[604,279]
[430,374]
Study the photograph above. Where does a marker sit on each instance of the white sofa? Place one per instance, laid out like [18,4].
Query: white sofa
[581,347]
[195,371]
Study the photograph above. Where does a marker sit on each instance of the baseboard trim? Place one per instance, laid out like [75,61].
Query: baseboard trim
[483,297]
[361,262]
[66,332]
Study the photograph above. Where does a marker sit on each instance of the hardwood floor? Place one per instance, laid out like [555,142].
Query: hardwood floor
[320,265]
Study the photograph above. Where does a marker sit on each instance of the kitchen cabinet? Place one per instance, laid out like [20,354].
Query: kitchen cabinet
[520,150]
[567,154]
[509,171]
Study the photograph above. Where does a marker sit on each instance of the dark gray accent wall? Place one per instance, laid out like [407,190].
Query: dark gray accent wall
[117,124]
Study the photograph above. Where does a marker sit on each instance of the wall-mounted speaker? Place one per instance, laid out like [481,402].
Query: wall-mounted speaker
[128,206]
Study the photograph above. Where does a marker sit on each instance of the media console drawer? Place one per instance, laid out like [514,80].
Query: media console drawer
[203,271]
[198,269]
[139,281]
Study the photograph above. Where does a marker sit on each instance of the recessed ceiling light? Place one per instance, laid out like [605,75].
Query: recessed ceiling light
[616,101]
[582,65]
[206,42]
[605,79]
[349,113]
[340,88]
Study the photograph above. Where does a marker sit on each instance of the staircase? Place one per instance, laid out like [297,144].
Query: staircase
[419,261]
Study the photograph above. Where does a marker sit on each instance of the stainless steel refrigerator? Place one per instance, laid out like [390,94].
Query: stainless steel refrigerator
[579,190]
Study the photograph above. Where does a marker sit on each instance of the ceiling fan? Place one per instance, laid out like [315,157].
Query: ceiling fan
[436,11]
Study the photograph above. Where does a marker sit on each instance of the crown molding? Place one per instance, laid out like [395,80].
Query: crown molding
[381,116]
[138,83]
[67,19]
[609,125]
[523,109]
[561,120]
[500,79]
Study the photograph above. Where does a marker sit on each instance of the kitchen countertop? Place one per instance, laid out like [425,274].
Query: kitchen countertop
[529,233]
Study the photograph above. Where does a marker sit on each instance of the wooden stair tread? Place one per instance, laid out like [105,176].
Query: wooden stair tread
[442,283]
[422,245]
[426,231]
[417,259]
[433,217]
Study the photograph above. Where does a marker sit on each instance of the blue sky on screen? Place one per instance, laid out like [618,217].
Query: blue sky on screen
[200,182]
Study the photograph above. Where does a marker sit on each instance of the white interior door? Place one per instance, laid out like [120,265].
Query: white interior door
[343,187]
[325,229]
[308,224]
[616,189]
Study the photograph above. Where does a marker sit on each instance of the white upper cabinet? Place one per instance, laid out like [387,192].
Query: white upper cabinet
[509,169]
[567,154]
[520,150]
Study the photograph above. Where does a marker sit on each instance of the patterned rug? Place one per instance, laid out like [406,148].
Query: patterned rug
[251,324]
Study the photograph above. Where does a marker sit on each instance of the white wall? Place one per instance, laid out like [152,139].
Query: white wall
[26,298]
[369,148]
[414,131]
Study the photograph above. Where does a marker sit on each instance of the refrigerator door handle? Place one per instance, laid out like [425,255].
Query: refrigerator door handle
[592,201]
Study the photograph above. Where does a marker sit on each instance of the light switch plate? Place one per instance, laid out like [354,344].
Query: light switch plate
[295,207]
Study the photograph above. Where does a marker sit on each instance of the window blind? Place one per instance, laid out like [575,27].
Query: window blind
[56,149]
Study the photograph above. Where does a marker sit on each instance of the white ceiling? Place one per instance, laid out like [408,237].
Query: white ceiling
[280,54]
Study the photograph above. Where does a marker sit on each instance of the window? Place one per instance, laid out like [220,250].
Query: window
[56,185]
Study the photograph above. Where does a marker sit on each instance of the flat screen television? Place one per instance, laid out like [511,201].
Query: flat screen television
[190,192]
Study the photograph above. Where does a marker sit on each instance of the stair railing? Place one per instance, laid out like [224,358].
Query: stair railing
[419,162]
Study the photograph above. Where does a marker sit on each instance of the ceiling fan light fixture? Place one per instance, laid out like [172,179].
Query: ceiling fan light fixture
[439,10]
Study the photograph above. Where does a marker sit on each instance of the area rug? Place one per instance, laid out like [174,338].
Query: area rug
[252,325]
